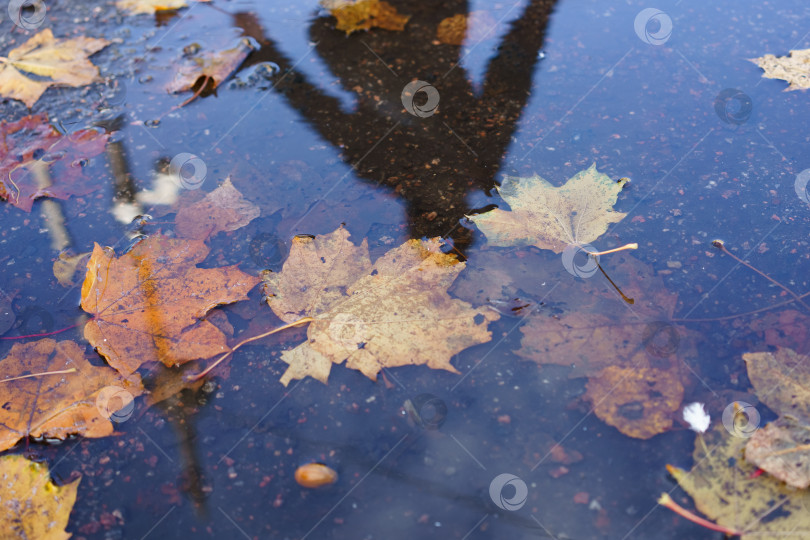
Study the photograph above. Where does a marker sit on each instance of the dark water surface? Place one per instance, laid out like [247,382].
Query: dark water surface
[312,129]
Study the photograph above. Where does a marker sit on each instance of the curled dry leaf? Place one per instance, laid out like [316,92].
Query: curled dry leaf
[725,489]
[395,312]
[31,505]
[551,217]
[41,403]
[224,209]
[54,62]
[782,448]
[354,15]
[24,177]
[794,68]
[208,70]
[148,304]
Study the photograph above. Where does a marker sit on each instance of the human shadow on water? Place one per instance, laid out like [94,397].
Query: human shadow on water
[433,159]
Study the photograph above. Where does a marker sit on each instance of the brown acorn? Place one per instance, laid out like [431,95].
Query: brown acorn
[314,475]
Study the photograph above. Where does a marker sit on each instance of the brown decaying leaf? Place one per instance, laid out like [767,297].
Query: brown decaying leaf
[56,62]
[31,505]
[639,402]
[54,405]
[794,68]
[604,334]
[148,304]
[782,448]
[224,209]
[551,217]
[138,7]
[354,15]
[21,140]
[66,266]
[210,69]
[395,312]
[725,489]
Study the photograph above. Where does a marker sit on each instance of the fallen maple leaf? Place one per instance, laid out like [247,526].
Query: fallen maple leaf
[50,390]
[354,15]
[31,505]
[782,382]
[606,341]
[208,70]
[552,217]
[224,209]
[149,304]
[794,68]
[138,7]
[395,312]
[31,147]
[724,488]
[61,62]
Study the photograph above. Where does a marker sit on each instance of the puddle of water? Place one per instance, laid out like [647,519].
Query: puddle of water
[322,137]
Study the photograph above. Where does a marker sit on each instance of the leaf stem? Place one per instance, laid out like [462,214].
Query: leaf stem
[666,500]
[622,248]
[248,340]
[60,372]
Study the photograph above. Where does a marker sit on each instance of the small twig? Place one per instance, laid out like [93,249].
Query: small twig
[254,338]
[719,244]
[60,372]
[625,298]
[666,500]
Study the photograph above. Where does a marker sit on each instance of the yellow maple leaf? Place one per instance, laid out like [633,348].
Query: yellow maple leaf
[394,312]
[550,217]
[58,62]
[32,506]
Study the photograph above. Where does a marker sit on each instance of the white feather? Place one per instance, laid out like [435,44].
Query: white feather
[696,416]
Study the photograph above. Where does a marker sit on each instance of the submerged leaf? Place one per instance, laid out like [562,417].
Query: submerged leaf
[550,217]
[61,62]
[395,312]
[38,402]
[794,68]
[782,382]
[725,489]
[33,154]
[224,209]
[31,505]
[149,304]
